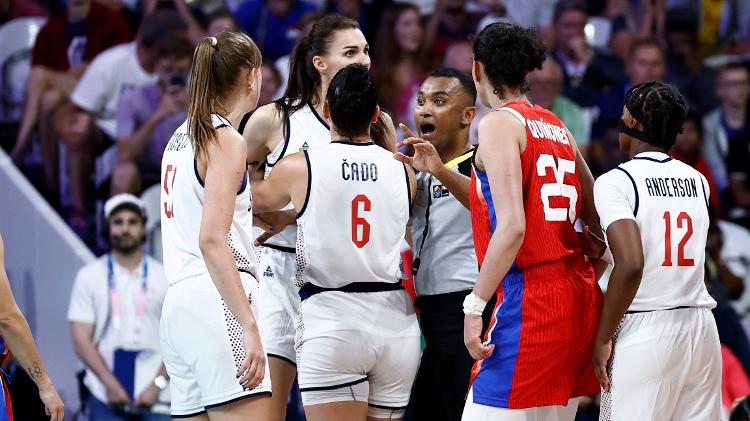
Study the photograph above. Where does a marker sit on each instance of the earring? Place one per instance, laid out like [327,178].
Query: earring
[252,86]
[495,92]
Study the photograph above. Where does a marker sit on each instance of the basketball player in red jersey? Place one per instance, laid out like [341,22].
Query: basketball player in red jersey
[529,185]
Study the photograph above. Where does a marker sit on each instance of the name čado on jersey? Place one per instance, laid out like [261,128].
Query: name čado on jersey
[359,171]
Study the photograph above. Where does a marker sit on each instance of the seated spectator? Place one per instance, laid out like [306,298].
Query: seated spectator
[274,25]
[87,124]
[545,85]
[728,122]
[221,20]
[450,22]
[148,116]
[586,70]
[63,49]
[401,63]
[688,148]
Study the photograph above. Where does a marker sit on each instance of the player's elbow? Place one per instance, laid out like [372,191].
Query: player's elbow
[209,241]
[514,228]
[630,267]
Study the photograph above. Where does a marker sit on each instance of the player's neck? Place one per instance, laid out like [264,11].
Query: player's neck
[129,261]
[640,147]
[497,102]
[454,147]
[336,137]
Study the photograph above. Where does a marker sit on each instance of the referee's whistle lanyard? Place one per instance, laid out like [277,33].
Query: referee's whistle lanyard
[114,297]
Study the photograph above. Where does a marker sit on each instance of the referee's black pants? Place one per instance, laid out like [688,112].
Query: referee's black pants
[443,379]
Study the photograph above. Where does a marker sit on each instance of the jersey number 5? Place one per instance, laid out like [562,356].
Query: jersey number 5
[358,221]
[683,219]
[168,188]
[558,188]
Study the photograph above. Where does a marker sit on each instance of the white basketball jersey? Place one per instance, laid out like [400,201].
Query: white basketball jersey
[354,218]
[182,211]
[669,201]
[306,130]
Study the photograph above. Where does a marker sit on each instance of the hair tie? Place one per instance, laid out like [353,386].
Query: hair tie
[213,41]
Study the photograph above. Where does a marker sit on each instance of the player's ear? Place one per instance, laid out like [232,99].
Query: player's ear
[326,110]
[468,115]
[476,71]
[320,64]
[376,115]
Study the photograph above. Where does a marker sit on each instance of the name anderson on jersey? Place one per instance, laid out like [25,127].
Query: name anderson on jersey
[671,187]
[362,171]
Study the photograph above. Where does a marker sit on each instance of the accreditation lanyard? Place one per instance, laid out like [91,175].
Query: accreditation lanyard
[115,299]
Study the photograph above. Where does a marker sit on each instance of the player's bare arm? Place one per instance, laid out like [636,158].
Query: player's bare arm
[426,159]
[624,239]
[502,163]
[223,173]
[263,131]
[17,335]
[287,182]
[390,131]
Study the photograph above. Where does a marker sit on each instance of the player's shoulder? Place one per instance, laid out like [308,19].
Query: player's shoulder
[618,176]
[264,122]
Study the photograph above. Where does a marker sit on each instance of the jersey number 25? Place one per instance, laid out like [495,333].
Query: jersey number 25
[558,188]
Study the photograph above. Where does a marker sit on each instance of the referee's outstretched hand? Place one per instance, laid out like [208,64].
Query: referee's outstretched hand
[425,159]
[472,332]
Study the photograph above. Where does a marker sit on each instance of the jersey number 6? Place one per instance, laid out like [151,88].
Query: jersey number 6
[558,188]
[358,221]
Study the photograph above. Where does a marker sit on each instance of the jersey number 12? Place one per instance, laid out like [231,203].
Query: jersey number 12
[683,220]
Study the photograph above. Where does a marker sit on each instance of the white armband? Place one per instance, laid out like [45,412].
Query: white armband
[474,305]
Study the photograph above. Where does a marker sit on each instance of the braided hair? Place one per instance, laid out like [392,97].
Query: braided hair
[660,108]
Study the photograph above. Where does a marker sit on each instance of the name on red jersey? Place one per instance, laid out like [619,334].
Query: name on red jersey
[540,129]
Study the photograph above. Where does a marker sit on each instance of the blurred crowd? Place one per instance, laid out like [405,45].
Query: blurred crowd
[107,86]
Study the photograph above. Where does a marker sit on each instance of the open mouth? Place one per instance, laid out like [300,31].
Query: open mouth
[426,128]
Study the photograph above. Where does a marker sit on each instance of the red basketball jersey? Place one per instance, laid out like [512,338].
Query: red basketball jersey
[551,191]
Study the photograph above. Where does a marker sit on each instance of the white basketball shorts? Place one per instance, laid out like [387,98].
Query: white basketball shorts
[201,343]
[666,365]
[280,299]
[358,347]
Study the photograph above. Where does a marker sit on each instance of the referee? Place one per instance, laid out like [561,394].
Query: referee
[445,265]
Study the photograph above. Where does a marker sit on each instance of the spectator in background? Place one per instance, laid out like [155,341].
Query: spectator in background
[688,148]
[63,49]
[401,61]
[269,89]
[450,22]
[367,14]
[114,316]
[146,118]
[646,62]
[738,167]
[586,70]
[545,85]
[459,56]
[727,123]
[274,25]
[734,381]
[221,20]
[87,124]
[684,64]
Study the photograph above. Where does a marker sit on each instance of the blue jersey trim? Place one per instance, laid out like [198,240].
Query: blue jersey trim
[485,184]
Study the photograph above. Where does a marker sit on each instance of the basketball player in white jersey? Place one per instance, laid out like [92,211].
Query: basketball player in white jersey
[209,332]
[357,336]
[657,352]
[292,124]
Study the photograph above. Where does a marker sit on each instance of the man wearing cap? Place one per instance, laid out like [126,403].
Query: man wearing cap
[114,320]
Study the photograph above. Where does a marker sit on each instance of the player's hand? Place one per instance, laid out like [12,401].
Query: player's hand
[602,352]
[53,405]
[253,368]
[472,333]
[425,159]
[273,223]
[148,397]
[593,246]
